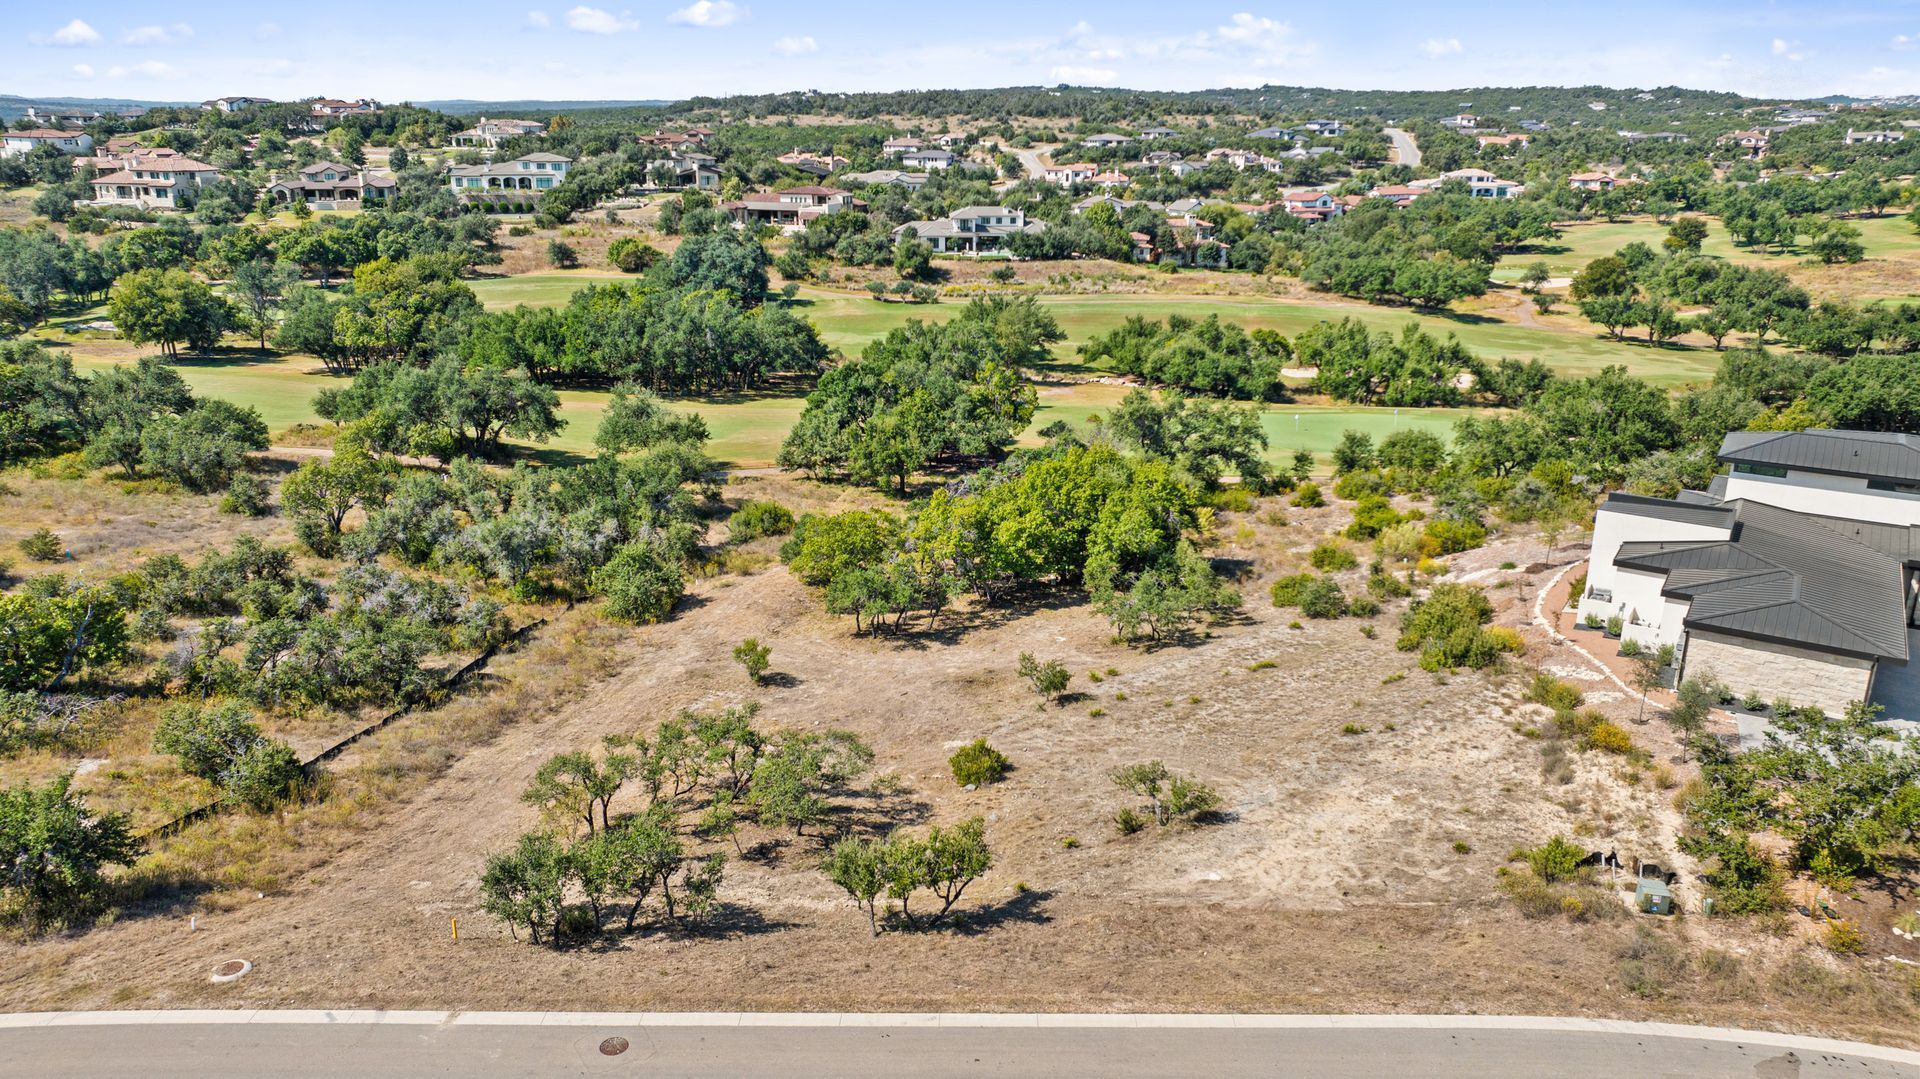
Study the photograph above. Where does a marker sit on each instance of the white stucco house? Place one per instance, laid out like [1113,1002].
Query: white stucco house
[533,172]
[972,229]
[1794,575]
[67,142]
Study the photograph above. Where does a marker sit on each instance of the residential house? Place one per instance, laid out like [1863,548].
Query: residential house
[152,180]
[973,230]
[1281,133]
[234,104]
[1793,576]
[689,139]
[63,118]
[531,173]
[1330,129]
[698,171]
[927,159]
[792,208]
[1103,142]
[1653,136]
[327,106]
[1109,179]
[951,139]
[491,133]
[13,143]
[329,185]
[1535,126]
[1192,244]
[1465,121]
[1309,205]
[1399,194]
[816,164]
[1592,181]
[1153,133]
[1796,117]
[912,181]
[1118,204]
[1753,142]
[1069,175]
[897,146]
[1481,184]
[1856,138]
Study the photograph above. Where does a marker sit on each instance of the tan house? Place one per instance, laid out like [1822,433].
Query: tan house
[152,180]
[329,185]
[792,208]
[489,134]
[13,143]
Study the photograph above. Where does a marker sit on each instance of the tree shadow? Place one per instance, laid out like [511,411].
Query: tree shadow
[780,680]
[1021,908]
[731,921]
[1464,318]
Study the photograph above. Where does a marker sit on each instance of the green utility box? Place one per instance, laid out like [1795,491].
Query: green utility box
[1653,896]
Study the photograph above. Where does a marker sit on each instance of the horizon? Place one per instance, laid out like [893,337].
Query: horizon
[526,51]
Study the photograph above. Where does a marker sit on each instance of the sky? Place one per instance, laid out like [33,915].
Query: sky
[493,50]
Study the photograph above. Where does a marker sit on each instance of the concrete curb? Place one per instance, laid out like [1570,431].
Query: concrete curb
[953,1020]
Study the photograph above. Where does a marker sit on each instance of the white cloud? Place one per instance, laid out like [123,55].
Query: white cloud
[73,34]
[145,69]
[266,30]
[85,71]
[796,46]
[709,13]
[1074,73]
[539,19]
[1905,41]
[1246,27]
[157,35]
[1789,50]
[593,20]
[1080,29]
[1438,47]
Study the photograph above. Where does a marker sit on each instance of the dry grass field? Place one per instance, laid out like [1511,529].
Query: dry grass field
[1336,880]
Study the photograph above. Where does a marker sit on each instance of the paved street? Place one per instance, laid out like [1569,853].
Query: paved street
[1405,150]
[413,1044]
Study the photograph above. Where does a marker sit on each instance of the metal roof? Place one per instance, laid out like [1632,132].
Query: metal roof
[1782,576]
[1667,509]
[1874,454]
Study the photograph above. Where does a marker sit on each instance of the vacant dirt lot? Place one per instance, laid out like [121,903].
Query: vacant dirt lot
[1335,883]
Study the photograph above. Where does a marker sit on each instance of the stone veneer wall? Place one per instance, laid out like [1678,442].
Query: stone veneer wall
[1801,675]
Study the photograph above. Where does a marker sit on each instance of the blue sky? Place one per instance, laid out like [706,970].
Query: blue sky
[488,49]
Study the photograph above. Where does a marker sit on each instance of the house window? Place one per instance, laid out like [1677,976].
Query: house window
[1774,471]
[1896,488]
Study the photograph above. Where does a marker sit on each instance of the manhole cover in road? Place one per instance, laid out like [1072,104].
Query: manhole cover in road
[613,1047]
[231,970]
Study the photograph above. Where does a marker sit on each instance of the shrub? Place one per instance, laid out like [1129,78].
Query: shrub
[1386,586]
[42,546]
[1309,496]
[1665,654]
[1592,621]
[1128,821]
[630,254]
[1615,625]
[1330,557]
[1446,537]
[1373,515]
[978,763]
[1554,861]
[1460,846]
[1049,679]
[754,656]
[1607,737]
[1506,638]
[1843,938]
[1445,628]
[1322,598]
[756,519]
[1753,701]
[641,583]
[246,495]
[1552,692]
[1288,590]
[1363,607]
[1630,648]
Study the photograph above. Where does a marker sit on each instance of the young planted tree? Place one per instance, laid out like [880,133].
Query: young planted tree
[1048,679]
[576,786]
[1169,797]
[527,885]
[754,656]
[52,851]
[859,865]
[1692,703]
[1645,679]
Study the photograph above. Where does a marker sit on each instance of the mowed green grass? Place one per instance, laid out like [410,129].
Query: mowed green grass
[849,321]
[538,290]
[747,429]
[1887,237]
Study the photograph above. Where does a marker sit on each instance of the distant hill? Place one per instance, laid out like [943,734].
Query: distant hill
[465,107]
[12,106]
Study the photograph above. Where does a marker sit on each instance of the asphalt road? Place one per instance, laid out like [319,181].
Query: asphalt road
[572,1045]
[1405,150]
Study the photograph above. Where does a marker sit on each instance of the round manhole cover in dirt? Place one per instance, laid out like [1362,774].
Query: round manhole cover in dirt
[613,1047]
[231,970]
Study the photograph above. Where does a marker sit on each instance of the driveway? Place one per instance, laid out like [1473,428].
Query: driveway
[1405,150]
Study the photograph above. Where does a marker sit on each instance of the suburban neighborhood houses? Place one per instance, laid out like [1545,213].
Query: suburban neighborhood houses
[1214,540]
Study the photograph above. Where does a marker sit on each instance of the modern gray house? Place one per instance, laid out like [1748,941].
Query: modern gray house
[1793,576]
